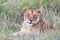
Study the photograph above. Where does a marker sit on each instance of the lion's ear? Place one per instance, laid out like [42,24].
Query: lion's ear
[25,9]
[40,11]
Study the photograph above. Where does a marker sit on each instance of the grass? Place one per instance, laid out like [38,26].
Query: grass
[11,18]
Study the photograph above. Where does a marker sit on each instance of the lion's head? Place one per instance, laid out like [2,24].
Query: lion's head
[31,16]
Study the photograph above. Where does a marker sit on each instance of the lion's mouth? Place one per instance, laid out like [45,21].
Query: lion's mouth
[30,22]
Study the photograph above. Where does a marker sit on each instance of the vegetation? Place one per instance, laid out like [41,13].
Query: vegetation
[11,17]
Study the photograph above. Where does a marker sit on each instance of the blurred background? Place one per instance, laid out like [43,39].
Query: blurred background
[11,17]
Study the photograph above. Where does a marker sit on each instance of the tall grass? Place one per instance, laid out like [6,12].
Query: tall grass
[11,17]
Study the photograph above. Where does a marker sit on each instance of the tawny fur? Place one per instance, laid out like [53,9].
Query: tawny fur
[38,23]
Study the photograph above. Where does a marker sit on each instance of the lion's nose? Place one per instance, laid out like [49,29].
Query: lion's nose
[31,20]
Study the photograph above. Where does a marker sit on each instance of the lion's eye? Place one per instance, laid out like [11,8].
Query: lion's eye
[35,17]
[28,14]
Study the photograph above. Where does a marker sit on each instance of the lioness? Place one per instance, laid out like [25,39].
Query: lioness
[33,22]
